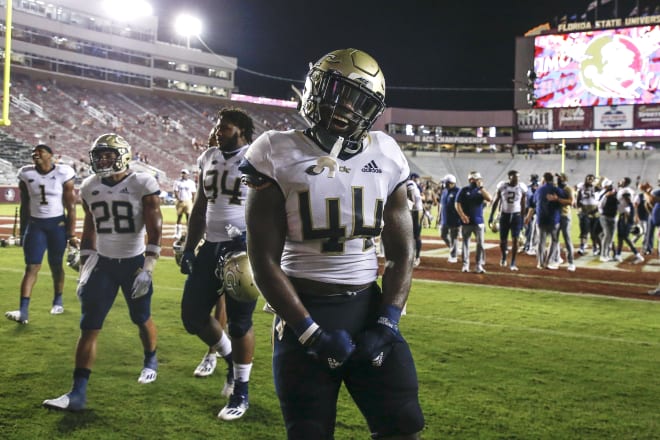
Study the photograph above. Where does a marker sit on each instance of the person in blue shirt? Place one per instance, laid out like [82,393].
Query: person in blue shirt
[450,222]
[470,207]
[548,211]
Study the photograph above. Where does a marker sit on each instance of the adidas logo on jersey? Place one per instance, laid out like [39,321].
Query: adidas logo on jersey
[124,191]
[371,167]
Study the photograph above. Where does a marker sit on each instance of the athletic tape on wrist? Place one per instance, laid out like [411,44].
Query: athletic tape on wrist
[305,330]
[87,252]
[154,249]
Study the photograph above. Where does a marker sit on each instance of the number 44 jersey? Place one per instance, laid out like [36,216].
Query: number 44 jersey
[117,211]
[331,221]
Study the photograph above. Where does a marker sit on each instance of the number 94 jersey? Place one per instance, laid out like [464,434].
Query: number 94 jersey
[117,212]
[331,221]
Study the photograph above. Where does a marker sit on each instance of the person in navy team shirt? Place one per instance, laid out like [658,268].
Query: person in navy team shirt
[470,207]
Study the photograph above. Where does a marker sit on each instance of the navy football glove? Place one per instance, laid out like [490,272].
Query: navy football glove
[187,260]
[375,343]
[332,347]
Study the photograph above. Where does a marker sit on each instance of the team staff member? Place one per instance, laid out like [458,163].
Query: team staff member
[546,200]
[184,191]
[450,222]
[121,206]
[48,221]
[470,207]
[565,220]
[311,246]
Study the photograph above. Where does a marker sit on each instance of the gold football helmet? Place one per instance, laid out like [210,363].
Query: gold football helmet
[103,144]
[344,94]
[237,277]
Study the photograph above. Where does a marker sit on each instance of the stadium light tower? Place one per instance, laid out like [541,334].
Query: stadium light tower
[187,26]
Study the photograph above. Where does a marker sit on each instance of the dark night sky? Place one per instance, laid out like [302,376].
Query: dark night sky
[431,44]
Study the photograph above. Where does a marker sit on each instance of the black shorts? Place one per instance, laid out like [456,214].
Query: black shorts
[387,396]
[202,289]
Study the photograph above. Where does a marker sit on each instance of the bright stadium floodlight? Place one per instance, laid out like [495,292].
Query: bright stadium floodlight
[127,10]
[187,26]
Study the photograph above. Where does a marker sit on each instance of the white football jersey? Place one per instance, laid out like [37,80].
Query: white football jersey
[224,191]
[117,212]
[625,207]
[184,189]
[46,190]
[511,196]
[588,196]
[417,203]
[331,221]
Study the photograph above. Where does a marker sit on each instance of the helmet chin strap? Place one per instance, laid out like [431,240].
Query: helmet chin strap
[330,162]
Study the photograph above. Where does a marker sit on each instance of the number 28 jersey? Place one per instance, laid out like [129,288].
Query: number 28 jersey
[331,221]
[117,211]
[46,190]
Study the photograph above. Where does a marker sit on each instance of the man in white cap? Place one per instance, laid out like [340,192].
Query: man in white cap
[184,191]
[450,222]
[470,207]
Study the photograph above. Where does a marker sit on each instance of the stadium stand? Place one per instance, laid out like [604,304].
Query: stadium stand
[69,115]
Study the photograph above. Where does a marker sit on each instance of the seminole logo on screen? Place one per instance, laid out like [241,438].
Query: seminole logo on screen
[613,67]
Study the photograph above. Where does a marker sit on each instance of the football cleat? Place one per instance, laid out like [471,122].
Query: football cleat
[503,263]
[638,259]
[655,292]
[57,309]
[237,406]
[15,315]
[207,366]
[465,269]
[66,402]
[513,268]
[552,266]
[571,268]
[480,269]
[416,262]
[147,375]
[452,260]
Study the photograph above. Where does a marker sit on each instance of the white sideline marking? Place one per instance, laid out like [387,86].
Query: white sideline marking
[539,330]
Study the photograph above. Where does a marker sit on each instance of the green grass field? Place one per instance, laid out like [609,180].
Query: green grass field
[493,363]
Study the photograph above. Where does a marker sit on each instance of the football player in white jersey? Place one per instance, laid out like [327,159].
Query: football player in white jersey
[510,198]
[120,207]
[587,203]
[184,190]
[317,200]
[218,210]
[626,219]
[48,221]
